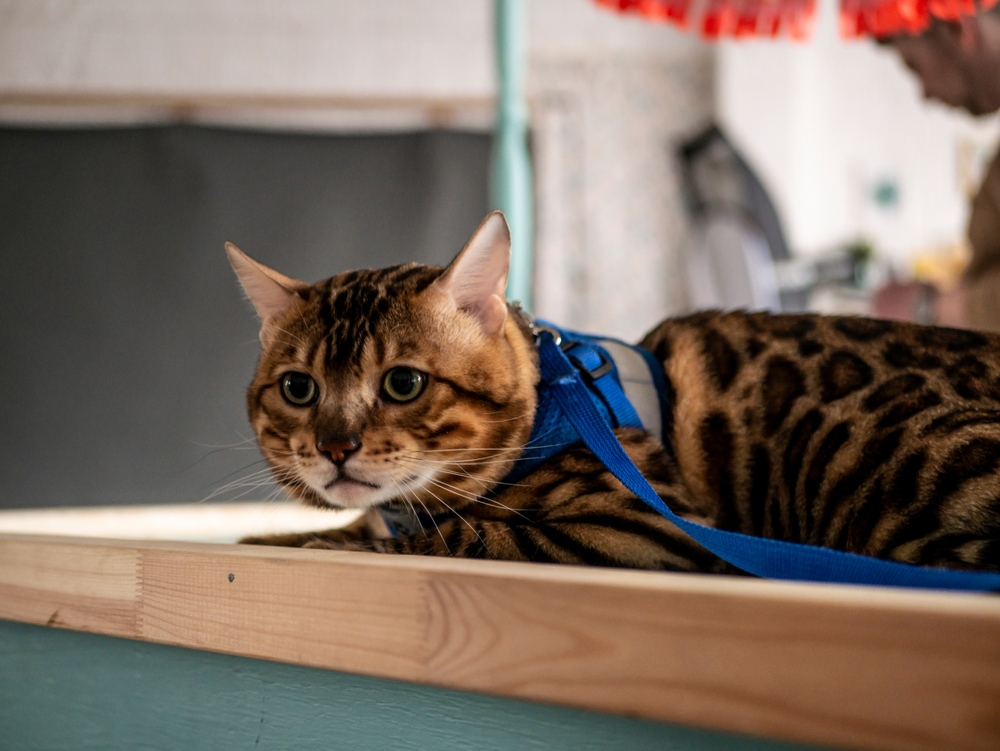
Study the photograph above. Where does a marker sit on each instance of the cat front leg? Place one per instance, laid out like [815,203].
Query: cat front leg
[368,526]
[457,538]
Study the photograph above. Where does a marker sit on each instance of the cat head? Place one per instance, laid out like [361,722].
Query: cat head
[411,383]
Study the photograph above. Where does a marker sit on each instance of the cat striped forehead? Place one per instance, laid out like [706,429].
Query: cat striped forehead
[352,307]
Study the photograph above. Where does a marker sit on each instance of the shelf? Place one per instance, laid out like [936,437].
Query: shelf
[856,667]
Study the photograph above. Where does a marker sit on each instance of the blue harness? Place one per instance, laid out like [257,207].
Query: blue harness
[589,386]
[624,384]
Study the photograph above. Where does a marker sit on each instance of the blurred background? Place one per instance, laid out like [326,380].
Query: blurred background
[667,175]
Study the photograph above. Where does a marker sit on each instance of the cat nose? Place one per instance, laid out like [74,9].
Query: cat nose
[337,449]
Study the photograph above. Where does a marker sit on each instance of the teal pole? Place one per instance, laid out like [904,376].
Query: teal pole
[510,169]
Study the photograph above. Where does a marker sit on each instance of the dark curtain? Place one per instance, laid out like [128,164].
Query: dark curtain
[126,344]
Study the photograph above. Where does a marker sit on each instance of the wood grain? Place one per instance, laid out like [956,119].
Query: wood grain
[73,585]
[845,666]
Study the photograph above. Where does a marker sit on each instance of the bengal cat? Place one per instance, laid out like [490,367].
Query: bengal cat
[416,385]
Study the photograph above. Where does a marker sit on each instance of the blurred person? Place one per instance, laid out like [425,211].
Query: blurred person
[958,64]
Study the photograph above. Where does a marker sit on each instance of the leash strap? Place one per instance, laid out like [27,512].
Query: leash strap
[600,377]
[773,559]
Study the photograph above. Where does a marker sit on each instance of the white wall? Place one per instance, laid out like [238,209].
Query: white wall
[574,29]
[822,121]
[314,63]
[611,97]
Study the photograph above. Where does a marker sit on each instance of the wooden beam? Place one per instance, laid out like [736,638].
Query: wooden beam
[309,112]
[194,100]
[63,689]
[847,666]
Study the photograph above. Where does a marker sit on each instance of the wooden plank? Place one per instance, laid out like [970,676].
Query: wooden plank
[79,586]
[286,112]
[296,609]
[65,690]
[215,101]
[847,666]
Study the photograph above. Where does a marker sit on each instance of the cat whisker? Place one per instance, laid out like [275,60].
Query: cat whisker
[462,462]
[413,509]
[453,511]
[455,469]
[461,492]
[247,486]
[466,448]
[219,450]
[260,475]
[248,466]
[491,503]
[274,494]
[503,507]
[534,444]
[459,471]
[456,462]
[498,410]
[253,464]
[433,521]
[515,447]
[261,478]
[478,498]
[244,443]
[487,453]
[508,419]
[238,496]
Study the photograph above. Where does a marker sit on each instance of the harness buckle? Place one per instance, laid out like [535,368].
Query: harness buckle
[535,329]
[589,374]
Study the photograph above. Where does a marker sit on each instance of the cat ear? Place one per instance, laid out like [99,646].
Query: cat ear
[476,279]
[271,293]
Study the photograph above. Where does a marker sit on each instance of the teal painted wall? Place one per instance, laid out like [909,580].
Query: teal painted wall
[68,690]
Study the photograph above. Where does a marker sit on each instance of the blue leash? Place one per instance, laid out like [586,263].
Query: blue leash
[772,559]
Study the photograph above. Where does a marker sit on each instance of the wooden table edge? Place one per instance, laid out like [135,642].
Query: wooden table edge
[426,620]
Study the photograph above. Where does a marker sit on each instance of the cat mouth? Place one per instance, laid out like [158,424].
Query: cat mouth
[350,491]
[345,479]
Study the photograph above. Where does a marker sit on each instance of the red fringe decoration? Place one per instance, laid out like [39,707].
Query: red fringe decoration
[794,18]
[728,18]
[883,18]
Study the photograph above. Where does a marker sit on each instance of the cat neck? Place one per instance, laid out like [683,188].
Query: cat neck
[520,335]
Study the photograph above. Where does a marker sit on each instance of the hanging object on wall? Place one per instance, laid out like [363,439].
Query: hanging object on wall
[727,18]
[794,18]
[881,18]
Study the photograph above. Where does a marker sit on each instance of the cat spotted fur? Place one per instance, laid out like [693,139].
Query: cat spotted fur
[868,436]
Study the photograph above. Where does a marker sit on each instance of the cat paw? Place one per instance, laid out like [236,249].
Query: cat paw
[330,538]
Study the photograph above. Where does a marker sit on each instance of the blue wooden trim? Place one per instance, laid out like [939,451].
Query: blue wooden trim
[68,690]
[510,179]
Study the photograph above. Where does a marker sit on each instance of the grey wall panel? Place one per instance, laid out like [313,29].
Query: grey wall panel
[126,344]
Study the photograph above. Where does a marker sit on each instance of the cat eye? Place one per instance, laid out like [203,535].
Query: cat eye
[403,384]
[298,389]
